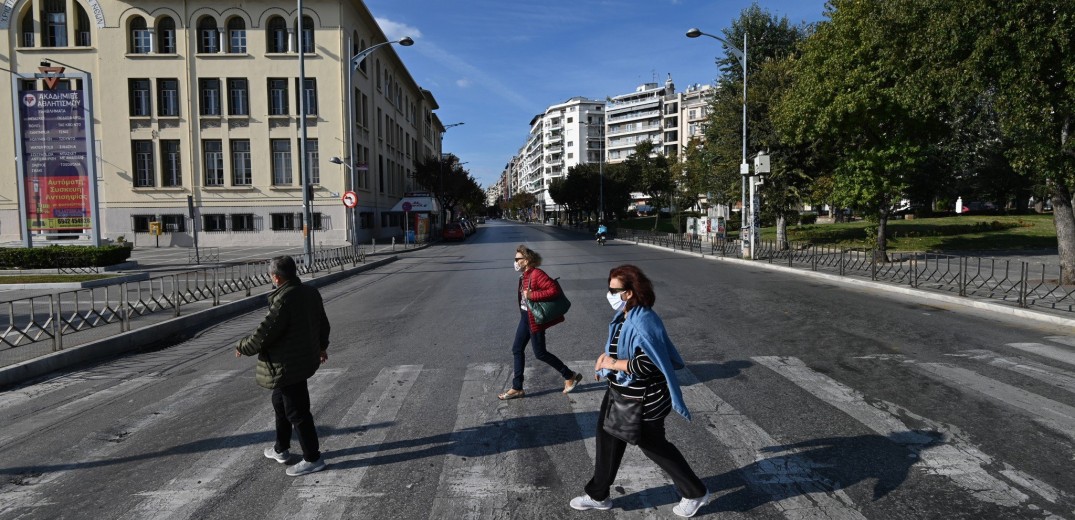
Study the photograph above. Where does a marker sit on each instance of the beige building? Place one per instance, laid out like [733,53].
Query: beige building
[201,99]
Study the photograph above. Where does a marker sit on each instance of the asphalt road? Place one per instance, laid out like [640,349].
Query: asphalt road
[810,400]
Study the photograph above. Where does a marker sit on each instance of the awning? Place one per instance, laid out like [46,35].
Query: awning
[419,204]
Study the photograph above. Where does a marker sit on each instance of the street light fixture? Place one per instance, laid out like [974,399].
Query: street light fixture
[744,168]
[353,64]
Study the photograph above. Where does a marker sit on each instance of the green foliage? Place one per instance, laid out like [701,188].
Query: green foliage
[62,256]
[450,183]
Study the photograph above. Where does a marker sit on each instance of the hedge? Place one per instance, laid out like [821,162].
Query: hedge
[62,256]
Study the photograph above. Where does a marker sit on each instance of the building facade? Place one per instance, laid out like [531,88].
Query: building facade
[203,100]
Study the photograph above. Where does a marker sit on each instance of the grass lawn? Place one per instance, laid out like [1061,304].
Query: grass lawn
[51,278]
[955,233]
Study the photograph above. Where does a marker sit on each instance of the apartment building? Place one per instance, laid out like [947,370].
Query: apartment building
[201,100]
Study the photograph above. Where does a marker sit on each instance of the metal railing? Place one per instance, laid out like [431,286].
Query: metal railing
[47,321]
[1026,284]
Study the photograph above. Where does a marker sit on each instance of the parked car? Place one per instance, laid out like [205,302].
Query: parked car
[453,231]
[481,220]
[468,228]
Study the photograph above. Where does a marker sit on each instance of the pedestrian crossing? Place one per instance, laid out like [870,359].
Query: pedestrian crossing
[526,458]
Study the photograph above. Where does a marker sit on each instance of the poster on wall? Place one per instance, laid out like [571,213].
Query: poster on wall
[54,156]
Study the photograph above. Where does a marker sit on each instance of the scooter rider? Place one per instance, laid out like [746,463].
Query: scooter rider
[601,231]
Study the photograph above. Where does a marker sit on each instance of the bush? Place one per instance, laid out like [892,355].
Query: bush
[62,256]
[807,218]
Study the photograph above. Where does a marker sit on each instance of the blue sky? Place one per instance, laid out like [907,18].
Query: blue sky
[495,64]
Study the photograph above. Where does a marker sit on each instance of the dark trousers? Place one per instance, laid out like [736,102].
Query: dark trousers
[654,445]
[292,406]
[537,342]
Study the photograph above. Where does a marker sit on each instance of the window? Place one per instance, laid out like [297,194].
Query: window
[363,64]
[215,222]
[238,97]
[277,35]
[365,220]
[142,151]
[311,161]
[173,173]
[281,162]
[140,223]
[278,97]
[174,223]
[55,23]
[311,95]
[210,96]
[240,163]
[307,34]
[28,30]
[167,97]
[315,217]
[242,222]
[213,151]
[140,97]
[208,37]
[141,37]
[283,221]
[166,36]
[237,36]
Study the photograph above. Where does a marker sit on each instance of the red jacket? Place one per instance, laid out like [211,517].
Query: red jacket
[542,288]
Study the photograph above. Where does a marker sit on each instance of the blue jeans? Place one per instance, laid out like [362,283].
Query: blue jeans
[537,342]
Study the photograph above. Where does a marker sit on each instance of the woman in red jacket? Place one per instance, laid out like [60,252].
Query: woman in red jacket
[534,285]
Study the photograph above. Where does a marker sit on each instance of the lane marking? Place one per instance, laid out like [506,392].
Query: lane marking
[214,473]
[956,459]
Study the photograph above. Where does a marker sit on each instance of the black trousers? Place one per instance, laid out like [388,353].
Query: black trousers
[654,445]
[292,406]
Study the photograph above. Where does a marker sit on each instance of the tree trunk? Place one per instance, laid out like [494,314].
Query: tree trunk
[880,254]
[781,233]
[1064,219]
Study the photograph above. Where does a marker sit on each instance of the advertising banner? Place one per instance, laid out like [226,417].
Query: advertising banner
[54,156]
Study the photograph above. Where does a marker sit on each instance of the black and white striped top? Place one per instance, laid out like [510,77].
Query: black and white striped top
[648,382]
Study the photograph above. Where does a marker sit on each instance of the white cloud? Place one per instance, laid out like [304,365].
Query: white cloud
[396,30]
[462,83]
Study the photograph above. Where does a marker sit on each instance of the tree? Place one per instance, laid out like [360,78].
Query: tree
[449,183]
[651,175]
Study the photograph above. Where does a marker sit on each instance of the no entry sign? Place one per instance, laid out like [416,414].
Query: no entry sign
[350,199]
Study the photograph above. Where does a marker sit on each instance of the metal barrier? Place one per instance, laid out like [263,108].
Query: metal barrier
[1023,283]
[49,318]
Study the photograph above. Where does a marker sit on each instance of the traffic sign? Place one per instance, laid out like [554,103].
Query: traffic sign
[350,199]
[407,206]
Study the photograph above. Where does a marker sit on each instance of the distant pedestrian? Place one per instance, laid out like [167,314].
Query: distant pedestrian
[640,363]
[290,343]
[534,285]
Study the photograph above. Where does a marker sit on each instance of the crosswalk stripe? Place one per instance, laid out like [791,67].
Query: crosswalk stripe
[45,419]
[797,491]
[94,448]
[1063,340]
[377,405]
[638,476]
[211,474]
[1059,378]
[1057,416]
[478,475]
[956,459]
[1049,351]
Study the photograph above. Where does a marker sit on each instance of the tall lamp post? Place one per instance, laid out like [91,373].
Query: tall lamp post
[354,63]
[744,168]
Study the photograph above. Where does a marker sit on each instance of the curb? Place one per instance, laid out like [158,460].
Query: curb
[78,285]
[142,337]
[962,301]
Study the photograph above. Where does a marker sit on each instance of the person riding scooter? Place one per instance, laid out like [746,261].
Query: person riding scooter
[602,231]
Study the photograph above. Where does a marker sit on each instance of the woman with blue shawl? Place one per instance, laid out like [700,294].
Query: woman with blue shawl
[640,363]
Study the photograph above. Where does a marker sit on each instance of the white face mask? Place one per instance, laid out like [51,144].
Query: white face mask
[615,301]
[517,266]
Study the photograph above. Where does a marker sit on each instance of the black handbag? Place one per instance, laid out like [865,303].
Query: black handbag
[549,310]
[623,416]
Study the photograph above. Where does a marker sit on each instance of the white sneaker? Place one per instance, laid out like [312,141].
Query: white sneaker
[689,506]
[305,468]
[585,503]
[281,457]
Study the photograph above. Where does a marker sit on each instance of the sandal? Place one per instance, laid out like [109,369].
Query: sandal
[511,394]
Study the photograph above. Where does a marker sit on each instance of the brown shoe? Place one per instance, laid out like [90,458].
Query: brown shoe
[511,394]
[570,384]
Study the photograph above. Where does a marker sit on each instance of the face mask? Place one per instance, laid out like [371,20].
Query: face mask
[518,267]
[615,301]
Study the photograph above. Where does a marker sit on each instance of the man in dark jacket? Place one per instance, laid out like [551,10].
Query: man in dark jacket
[291,342]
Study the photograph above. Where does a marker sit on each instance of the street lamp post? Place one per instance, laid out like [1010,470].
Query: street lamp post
[744,168]
[354,63]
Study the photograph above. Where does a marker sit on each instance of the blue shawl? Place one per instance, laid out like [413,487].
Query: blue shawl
[643,329]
